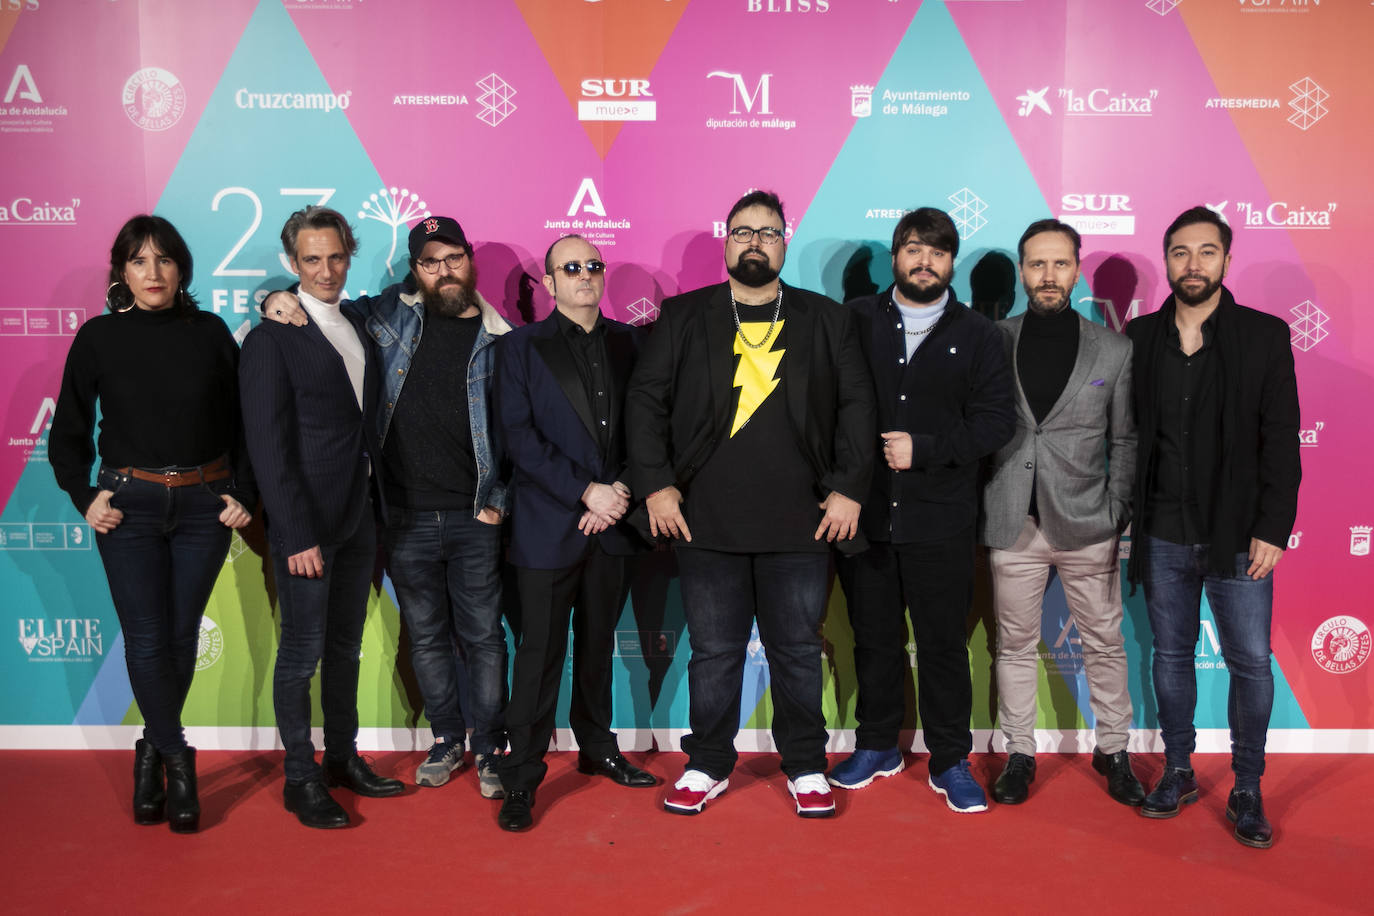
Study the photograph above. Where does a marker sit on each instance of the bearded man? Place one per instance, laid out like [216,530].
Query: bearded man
[944,404]
[1059,494]
[445,498]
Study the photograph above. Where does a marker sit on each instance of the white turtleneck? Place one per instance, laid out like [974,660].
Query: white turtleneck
[339,331]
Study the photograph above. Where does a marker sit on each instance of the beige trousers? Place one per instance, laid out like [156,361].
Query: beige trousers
[1092,588]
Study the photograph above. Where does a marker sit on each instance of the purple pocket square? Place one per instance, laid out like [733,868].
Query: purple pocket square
[1098,382]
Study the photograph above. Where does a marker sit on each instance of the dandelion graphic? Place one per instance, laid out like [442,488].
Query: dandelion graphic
[395,208]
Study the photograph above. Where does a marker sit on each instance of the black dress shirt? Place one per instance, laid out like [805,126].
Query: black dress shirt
[589,355]
[1188,438]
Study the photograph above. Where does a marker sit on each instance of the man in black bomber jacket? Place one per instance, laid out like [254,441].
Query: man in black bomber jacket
[945,402]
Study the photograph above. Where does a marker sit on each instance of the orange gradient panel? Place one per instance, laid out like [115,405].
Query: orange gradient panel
[1253,54]
[7,23]
[614,43]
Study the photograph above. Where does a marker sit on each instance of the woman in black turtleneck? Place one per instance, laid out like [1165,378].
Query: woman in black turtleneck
[173,481]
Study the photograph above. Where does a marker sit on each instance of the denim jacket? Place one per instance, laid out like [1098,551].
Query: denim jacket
[395,320]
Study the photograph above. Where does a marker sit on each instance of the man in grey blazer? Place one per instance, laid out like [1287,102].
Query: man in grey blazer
[1059,495]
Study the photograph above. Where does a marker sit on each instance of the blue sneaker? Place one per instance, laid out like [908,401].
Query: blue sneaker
[961,791]
[863,766]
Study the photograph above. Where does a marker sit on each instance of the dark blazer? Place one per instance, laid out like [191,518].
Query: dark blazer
[1080,459]
[307,438]
[547,422]
[682,395]
[1253,492]
[954,398]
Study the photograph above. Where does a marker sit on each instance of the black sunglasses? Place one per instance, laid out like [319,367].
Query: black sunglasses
[573,268]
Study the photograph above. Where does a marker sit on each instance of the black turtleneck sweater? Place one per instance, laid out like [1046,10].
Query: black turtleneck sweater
[167,385]
[1044,361]
[1045,356]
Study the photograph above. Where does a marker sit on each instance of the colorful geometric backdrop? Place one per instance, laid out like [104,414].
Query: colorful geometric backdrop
[636,123]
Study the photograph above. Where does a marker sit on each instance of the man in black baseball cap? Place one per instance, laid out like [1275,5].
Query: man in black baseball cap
[441,457]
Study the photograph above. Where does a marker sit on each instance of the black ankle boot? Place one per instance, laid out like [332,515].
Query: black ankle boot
[183,805]
[149,796]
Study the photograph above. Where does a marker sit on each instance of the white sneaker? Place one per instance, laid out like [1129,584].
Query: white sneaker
[691,792]
[813,796]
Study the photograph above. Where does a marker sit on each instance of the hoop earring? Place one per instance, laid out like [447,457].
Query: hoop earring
[109,304]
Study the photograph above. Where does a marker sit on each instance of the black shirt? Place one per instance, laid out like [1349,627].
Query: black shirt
[756,492]
[1045,355]
[1187,438]
[589,355]
[430,463]
[168,389]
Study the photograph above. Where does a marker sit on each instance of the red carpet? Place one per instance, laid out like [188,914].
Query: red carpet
[70,845]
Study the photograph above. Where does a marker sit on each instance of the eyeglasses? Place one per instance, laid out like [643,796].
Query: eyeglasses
[745,234]
[574,268]
[452,262]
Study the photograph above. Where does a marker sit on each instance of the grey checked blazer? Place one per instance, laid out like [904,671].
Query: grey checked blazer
[1081,459]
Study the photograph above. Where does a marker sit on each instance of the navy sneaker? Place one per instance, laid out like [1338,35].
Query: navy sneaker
[863,766]
[961,791]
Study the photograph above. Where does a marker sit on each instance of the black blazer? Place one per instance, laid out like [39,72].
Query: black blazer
[308,440]
[1253,492]
[682,393]
[547,423]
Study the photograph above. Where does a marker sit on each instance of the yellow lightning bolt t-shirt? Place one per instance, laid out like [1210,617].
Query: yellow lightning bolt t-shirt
[756,493]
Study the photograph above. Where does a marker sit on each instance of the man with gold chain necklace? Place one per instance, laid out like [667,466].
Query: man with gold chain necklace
[751,429]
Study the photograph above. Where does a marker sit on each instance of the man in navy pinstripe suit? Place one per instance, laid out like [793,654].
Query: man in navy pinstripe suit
[308,396]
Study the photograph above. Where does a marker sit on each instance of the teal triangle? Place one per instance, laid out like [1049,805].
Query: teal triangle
[905,155]
[249,164]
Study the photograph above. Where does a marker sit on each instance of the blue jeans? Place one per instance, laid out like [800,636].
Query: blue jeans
[722,594]
[1175,575]
[161,561]
[444,564]
[322,625]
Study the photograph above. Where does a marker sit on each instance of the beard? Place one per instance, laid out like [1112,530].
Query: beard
[753,272]
[935,287]
[450,297]
[1042,308]
[1209,288]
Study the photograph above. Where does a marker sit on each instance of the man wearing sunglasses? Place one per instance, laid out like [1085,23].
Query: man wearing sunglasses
[445,495]
[752,430]
[560,387]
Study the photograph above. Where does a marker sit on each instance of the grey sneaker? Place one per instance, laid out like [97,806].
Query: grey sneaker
[488,779]
[445,756]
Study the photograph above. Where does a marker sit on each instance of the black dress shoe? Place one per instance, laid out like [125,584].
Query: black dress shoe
[355,774]
[617,769]
[1246,810]
[150,797]
[183,801]
[515,810]
[1176,788]
[313,805]
[1013,786]
[1121,782]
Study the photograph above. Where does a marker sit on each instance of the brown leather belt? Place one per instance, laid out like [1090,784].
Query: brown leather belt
[206,473]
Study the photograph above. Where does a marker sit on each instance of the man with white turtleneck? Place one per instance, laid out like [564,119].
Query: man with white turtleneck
[944,403]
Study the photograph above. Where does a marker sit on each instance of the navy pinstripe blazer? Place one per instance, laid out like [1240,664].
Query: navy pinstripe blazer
[309,442]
